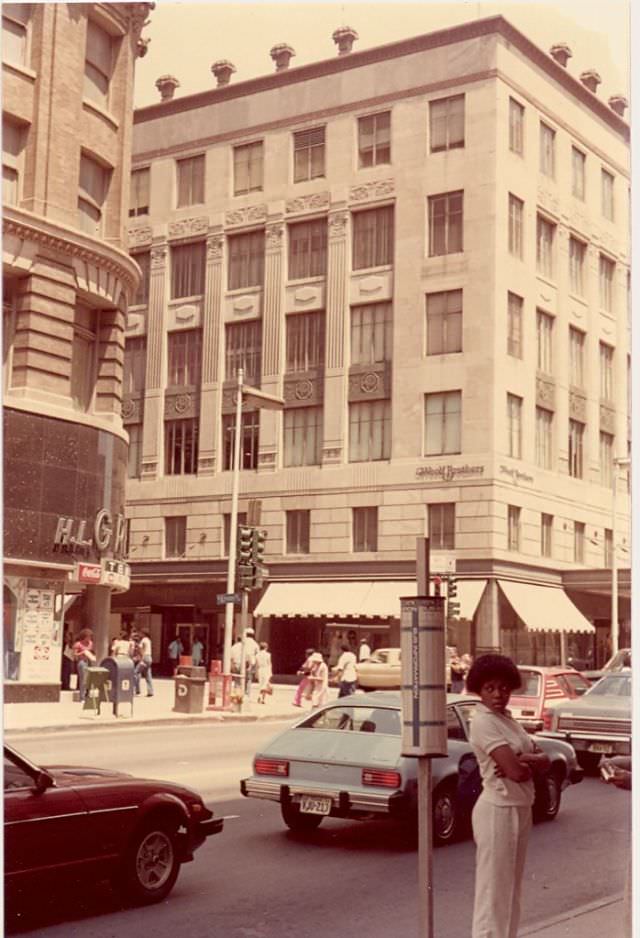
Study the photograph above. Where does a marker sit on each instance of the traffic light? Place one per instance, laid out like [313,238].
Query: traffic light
[245,576]
[257,546]
[453,608]
[437,586]
[245,545]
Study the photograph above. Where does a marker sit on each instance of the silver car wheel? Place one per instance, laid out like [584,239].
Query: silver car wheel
[444,815]
[155,860]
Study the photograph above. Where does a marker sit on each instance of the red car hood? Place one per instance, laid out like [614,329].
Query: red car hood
[74,775]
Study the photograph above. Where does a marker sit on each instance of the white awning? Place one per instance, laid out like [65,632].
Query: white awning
[545,608]
[469,593]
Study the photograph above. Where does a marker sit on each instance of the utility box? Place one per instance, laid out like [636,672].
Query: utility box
[96,689]
[424,694]
[120,684]
[189,693]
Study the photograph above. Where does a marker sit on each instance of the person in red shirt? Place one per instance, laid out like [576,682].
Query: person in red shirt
[84,658]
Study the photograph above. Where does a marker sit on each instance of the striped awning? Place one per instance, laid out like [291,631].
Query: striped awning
[544,608]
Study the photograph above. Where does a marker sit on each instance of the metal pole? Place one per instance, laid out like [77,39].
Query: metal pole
[233,533]
[614,561]
[244,616]
[425,849]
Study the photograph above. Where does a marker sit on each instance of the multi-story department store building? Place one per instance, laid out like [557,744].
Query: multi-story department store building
[424,249]
[67,89]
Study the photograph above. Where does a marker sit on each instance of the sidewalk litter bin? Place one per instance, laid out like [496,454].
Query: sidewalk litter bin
[192,670]
[120,684]
[189,693]
[96,689]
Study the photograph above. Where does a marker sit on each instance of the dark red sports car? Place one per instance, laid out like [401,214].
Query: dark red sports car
[63,819]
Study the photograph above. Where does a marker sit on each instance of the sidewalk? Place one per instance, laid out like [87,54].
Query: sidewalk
[604,917]
[21,718]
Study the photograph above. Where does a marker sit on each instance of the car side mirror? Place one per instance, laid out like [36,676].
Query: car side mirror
[43,781]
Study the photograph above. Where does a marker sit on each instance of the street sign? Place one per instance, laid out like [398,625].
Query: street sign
[223,598]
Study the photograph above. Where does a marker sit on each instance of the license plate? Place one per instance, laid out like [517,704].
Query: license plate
[309,805]
[605,748]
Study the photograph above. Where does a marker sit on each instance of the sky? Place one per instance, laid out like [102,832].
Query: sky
[186,38]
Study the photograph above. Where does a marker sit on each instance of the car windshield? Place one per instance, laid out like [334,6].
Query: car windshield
[614,685]
[356,719]
[530,684]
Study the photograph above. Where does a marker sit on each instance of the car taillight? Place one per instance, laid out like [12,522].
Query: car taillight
[278,767]
[381,778]
[547,719]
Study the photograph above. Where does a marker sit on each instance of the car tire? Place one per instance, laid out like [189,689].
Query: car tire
[548,796]
[297,821]
[151,864]
[446,818]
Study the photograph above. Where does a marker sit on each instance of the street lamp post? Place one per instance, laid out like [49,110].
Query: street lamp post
[615,625]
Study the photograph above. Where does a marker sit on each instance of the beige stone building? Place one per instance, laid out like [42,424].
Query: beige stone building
[424,249]
[67,85]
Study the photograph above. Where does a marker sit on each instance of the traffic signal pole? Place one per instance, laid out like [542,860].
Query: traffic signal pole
[233,533]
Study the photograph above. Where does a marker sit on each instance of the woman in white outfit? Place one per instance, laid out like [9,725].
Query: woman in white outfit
[265,672]
[319,677]
[508,758]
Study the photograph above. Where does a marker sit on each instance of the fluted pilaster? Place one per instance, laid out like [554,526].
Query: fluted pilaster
[336,288]
[272,311]
[212,336]
[153,396]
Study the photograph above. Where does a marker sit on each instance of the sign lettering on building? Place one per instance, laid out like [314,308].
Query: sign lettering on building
[71,536]
[447,473]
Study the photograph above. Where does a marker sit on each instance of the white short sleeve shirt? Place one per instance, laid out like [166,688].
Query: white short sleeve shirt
[488,731]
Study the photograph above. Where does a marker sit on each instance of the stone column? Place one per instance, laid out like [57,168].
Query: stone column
[335,376]
[152,435]
[272,338]
[97,613]
[212,338]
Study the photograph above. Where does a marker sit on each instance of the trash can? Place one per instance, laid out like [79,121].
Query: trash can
[120,684]
[96,689]
[192,670]
[189,693]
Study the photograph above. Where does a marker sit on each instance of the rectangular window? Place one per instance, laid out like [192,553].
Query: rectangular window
[513,527]
[442,423]
[544,342]
[514,325]
[184,358]
[246,260]
[445,223]
[190,181]
[298,525]
[308,249]
[369,431]
[248,168]
[576,357]
[578,542]
[544,437]
[372,238]
[444,322]
[606,372]
[514,426]
[442,526]
[188,263]
[547,150]
[143,260]
[578,161]
[302,436]
[545,237]
[180,447]
[139,192]
[308,154]
[516,212]
[446,123]
[305,341]
[15,24]
[516,127]
[92,192]
[84,356]
[243,349]
[13,140]
[374,139]
[249,439]
[98,64]
[134,453]
[175,537]
[607,195]
[371,334]
[577,254]
[226,520]
[607,270]
[365,529]
[576,449]
[606,459]
[135,365]
[608,547]
[546,535]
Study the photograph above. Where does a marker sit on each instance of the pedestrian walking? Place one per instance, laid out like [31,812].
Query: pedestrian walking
[68,659]
[84,658]
[251,649]
[174,651]
[122,645]
[143,666]
[265,672]
[305,686]
[197,652]
[319,679]
[508,759]
[364,651]
[346,671]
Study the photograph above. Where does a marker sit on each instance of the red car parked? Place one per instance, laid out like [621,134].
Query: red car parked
[541,686]
[95,823]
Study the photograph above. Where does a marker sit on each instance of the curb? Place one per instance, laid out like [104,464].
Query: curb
[567,916]
[160,721]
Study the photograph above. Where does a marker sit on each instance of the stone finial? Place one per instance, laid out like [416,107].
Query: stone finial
[167,85]
[344,37]
[282,55]
[590,79]
[618,103]
[561,53]
[223,69]
[142,47]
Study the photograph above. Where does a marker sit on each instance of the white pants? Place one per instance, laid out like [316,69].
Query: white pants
[501,835]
